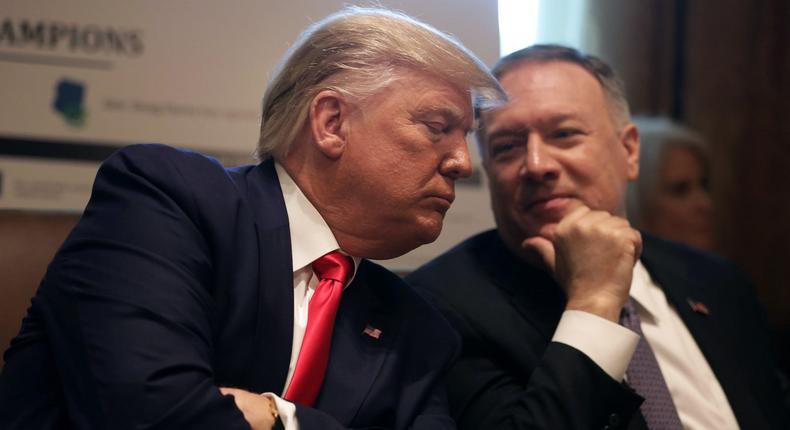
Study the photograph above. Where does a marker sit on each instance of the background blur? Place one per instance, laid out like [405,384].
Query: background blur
[79,80]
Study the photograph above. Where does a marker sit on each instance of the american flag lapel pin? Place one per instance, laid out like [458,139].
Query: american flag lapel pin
[372,331]
[698,307]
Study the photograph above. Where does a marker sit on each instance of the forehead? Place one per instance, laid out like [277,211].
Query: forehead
[419,93]
[682,157]
[543,91]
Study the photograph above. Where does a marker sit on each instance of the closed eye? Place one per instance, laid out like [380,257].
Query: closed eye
[435,127]
[564,133]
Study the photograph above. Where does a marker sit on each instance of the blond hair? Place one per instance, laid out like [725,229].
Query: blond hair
[657,135]
[358,52]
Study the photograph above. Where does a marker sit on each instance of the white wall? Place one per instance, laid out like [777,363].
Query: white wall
[192,76]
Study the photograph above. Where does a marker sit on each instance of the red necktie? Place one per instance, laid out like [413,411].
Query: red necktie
[332,270]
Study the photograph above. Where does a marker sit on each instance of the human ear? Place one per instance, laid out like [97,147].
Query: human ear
[629,139]
[328,111]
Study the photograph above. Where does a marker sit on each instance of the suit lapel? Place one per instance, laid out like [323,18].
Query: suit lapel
[273,335]
[674,275]
[356,357]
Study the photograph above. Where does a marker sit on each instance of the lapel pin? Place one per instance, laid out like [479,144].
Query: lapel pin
[372,331]
[698,307]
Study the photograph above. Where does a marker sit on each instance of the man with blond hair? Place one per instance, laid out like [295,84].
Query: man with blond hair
[193,296]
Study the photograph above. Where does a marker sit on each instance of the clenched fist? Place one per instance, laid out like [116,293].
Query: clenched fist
[592,255]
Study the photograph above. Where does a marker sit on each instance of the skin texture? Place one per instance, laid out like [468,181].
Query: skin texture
[682,209]
[557,167]
[382,173]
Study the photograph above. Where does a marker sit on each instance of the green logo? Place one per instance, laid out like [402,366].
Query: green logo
[69,102]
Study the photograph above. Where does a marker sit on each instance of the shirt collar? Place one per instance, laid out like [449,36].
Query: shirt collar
[640,290]
[311,237]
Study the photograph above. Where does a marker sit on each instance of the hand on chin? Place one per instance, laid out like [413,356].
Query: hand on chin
[539,247]
[591,255]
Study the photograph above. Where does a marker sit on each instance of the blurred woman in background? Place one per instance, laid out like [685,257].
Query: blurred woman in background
[671,197]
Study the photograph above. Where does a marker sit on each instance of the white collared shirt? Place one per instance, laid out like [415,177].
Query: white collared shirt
[697,394]
[311,238]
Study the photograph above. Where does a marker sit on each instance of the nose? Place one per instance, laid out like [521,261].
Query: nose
[703,201]
[539,164]
[457,163]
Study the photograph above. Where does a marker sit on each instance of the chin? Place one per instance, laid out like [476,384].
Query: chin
[529,227]
[430,232]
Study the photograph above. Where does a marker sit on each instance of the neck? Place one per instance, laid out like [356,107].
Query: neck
[333,198]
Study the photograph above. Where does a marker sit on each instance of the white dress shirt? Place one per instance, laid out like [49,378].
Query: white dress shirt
[311,238]
[697,394]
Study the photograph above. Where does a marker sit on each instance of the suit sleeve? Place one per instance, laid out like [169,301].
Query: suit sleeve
[127,304]
[561,388]
[434,416]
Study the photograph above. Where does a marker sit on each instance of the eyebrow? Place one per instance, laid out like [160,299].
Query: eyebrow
[448,113]
[521,129]
[509,131]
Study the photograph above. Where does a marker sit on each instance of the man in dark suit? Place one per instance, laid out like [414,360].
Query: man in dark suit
[539,301]
[193,296]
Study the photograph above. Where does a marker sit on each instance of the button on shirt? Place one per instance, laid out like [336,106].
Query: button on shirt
[311,238]
[697,394]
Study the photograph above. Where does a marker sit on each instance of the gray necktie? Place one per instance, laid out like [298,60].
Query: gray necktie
[645,377]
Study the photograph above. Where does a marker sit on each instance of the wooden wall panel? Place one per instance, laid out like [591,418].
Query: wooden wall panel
[27,243]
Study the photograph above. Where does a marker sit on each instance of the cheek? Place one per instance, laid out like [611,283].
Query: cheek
[671,208]
[503,179]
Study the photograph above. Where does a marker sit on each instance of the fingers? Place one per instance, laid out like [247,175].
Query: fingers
[543,248]
[228,391]
[575,215]
[587,224]
[594,254]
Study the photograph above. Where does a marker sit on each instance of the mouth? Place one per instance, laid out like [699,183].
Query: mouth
[441,202]
[548,203]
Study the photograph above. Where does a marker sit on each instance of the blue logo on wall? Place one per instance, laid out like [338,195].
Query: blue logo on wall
[69,102]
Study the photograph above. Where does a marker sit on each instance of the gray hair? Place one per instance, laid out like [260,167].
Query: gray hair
[358,52]
[612,85]
[656,136]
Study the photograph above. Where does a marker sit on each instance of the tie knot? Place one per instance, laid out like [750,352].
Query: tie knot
[335,266]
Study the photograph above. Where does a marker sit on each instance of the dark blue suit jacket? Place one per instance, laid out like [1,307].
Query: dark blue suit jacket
[178,280]
[511,376]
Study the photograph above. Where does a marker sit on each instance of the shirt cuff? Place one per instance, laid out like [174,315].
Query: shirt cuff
[607,344]
[287,411]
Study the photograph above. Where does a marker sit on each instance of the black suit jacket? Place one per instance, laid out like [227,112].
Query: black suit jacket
[178,280]
[511,376]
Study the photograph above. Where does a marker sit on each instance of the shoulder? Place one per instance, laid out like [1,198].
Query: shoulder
[154,160]
[455,265]
[420,319]
[470,284]
[463,277]
[160,172]
[704,276]
[695,264]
